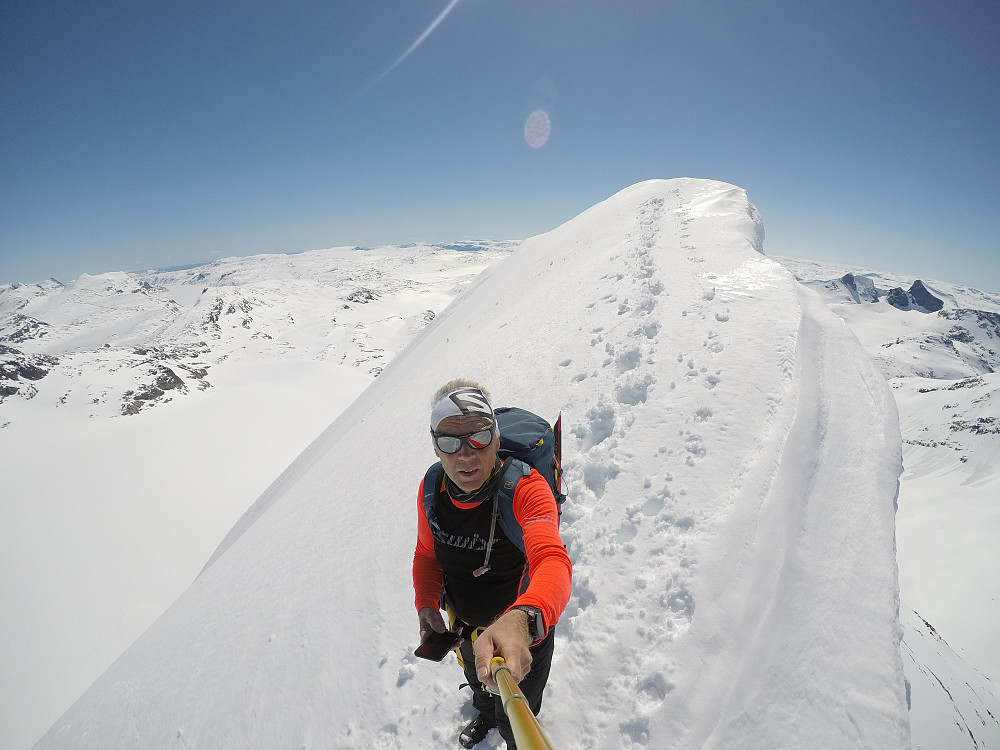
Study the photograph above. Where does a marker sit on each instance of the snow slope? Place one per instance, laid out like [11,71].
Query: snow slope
[110,503]
[942,365]
[944,370]
[731,458]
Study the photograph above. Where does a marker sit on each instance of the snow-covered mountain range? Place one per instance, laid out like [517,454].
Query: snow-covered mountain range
[121,342]
[731,468]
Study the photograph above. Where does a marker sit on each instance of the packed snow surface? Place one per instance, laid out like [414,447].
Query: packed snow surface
[732,461]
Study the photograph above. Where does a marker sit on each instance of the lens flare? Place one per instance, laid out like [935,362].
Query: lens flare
[420,39]
[537,129]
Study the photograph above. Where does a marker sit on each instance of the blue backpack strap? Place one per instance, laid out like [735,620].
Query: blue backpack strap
[431,479]
[514,471]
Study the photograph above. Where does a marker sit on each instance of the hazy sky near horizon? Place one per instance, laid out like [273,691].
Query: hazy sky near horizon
[140,135]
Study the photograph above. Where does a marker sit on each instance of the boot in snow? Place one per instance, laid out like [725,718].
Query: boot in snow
[475,732]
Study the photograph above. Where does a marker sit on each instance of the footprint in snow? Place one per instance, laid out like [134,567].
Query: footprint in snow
[647,306]
[636,730]
[678,601]
[655,503]
[634,392]
[406,673]
[597,474]
[656,687]
[599,427]
[695,449]
[649,330]
[629,359]
[626,533]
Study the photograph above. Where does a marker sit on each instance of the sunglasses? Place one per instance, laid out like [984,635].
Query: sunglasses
[453,443]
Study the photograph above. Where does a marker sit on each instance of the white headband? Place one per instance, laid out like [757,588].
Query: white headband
[460,402]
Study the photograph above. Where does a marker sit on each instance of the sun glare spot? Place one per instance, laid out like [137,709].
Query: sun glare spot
[537,129]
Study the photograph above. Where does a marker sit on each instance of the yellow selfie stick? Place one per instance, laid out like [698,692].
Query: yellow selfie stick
[527,732]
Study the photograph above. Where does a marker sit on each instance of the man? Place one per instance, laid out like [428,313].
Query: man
[504,601]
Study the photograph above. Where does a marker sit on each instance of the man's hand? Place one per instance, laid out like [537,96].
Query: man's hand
[506,637]
[430,619]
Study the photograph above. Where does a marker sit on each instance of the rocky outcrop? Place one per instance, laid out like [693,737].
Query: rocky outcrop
[898,298]
[921,296]
[918,297]
[17,367]
[165,380]
[20,328]
[363,296]
[861,287]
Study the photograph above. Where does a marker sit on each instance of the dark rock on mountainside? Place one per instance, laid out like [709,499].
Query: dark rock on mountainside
[922,296]
[20,328]
[976,330]
[898,298]
[16,367]
[957,333]
[988,322]
[861,287]
[363,296]
[165,380]
[917,298]
[979,426]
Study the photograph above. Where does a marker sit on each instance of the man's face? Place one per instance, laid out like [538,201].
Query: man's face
[469,468]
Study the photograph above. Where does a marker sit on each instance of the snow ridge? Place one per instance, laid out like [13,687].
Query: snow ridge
[797,589]
[732,540]
[941,367]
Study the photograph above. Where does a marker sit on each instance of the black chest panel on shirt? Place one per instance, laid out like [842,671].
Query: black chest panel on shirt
[460,549]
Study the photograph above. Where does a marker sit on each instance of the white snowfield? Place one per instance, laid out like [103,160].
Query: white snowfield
[732,460]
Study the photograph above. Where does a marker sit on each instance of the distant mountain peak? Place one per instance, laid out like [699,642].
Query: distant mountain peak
[862,288]
[922,297]
[918,297]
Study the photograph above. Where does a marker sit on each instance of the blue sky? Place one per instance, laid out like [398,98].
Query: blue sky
[141,135]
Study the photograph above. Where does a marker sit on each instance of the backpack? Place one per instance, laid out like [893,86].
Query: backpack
[526,441]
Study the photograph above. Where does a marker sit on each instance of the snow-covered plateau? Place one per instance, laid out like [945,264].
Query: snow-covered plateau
[747,442]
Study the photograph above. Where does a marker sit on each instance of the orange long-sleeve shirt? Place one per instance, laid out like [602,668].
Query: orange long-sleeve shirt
[551,570]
